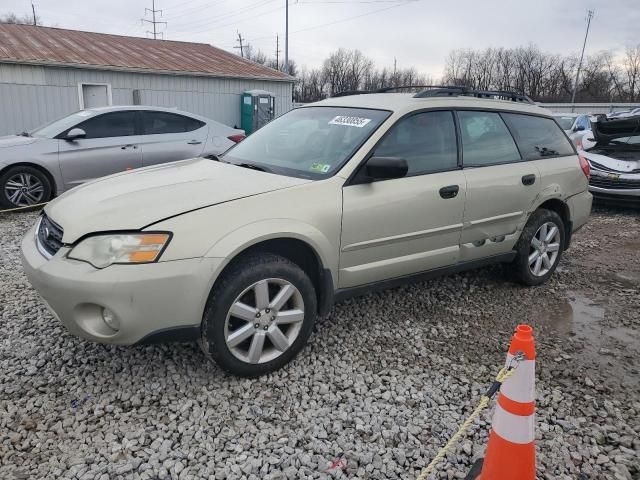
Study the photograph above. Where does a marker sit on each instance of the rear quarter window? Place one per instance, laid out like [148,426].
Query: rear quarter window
[538,137]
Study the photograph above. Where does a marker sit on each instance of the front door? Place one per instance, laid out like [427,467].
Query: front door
[167,137]
[501,188]
[399,227]
[110,146]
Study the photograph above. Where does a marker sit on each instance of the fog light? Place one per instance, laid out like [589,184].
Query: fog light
[110,319]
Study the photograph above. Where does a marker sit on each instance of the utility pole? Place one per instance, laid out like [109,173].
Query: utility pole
[575,86]
[154,22]
[286,38]
[33,9]
[277,52]
[241,47]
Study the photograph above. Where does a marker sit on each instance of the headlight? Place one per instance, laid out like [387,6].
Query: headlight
[104,250]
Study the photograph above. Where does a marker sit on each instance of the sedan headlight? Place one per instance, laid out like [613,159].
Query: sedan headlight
[104,250]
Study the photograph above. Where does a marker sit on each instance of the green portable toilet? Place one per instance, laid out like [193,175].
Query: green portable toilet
[257,108]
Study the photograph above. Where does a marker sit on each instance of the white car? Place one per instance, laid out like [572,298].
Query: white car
[612,149]
[39,165]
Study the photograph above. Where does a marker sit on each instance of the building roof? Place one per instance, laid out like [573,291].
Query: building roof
[71,48]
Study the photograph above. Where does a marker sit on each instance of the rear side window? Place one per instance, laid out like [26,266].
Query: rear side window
[116,124]
[155,123]
[486,139]
[427,141]
[538,137]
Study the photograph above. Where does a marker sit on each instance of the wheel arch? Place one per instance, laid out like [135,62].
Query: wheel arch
[298,251]
[40,168]
[562,209]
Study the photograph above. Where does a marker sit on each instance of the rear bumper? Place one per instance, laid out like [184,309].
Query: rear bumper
[579,209]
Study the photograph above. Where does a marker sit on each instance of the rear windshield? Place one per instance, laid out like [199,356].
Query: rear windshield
[311,142]
[538,137]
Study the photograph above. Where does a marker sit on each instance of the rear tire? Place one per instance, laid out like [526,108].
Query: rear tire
[23,186]
[539,248]
[259,315]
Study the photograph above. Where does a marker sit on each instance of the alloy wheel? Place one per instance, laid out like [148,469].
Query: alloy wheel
[544,249]
[264,320]
[24,189]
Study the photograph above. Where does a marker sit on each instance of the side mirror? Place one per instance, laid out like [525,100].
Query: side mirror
[386,168]
[74,134]
[578,128]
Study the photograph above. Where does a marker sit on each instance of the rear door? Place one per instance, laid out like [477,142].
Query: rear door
[501,187]
[167,137]
[110,146]
[408,225]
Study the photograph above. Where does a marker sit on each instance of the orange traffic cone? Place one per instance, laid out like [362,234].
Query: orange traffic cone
[511,451]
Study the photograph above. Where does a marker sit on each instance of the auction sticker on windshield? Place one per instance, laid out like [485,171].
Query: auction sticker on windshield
[349,121]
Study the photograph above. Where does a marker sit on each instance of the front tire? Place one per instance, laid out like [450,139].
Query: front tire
[259,315]
[539,248]
[24,186]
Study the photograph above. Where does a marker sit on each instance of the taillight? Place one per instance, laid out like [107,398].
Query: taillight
[584,165]
[237,138]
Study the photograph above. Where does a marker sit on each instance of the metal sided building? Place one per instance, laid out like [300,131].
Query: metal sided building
[47,73]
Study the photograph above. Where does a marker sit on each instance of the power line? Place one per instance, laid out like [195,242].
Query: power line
[153,12]
[225,16]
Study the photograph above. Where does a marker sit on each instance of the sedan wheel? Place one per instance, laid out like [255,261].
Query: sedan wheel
[544,249]
[24,189]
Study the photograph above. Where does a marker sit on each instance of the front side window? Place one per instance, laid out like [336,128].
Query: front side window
[427,141]
[310,142]
[115,124]
[538,137]
[486,139]
[155,123]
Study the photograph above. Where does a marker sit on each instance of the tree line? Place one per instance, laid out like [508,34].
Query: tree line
[545,77]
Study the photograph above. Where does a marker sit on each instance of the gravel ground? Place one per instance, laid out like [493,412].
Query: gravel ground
[383,384]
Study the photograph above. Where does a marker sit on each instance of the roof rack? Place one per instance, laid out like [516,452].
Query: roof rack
[455,91]
[386,90]
[446,91]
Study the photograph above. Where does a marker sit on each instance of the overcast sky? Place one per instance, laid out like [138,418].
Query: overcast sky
[418,33]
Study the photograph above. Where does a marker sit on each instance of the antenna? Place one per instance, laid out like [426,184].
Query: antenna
[153,12]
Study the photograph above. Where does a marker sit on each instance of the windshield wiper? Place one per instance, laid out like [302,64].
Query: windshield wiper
[24,134]
[253,166]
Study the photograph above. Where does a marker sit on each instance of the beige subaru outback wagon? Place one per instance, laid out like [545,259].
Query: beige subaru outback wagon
[243,252]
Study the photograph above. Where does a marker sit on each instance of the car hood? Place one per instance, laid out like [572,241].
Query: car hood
[15,141]
[605,130]
[139,198]
[609,163]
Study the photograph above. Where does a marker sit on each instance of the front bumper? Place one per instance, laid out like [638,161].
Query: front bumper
[148,300]
[615,186]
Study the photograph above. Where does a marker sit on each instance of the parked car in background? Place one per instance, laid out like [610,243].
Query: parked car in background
[574,123]
[328,201]
[618,114]
[38,165]
[612,149]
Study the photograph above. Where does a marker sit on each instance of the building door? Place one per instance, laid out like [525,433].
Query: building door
[95,96]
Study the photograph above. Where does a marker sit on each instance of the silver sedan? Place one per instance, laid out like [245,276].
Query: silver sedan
[38,165]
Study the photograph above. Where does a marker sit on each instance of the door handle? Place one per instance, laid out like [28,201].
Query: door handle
[450,191]
[529,179]
[194,142]
[128,146]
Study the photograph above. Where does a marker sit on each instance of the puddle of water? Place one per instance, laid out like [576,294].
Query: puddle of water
[575,316]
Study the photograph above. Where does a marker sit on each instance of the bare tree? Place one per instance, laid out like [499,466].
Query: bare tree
[19,19]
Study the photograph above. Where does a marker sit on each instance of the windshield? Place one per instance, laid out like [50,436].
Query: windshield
[52,129]
[311,142]
[565,122]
